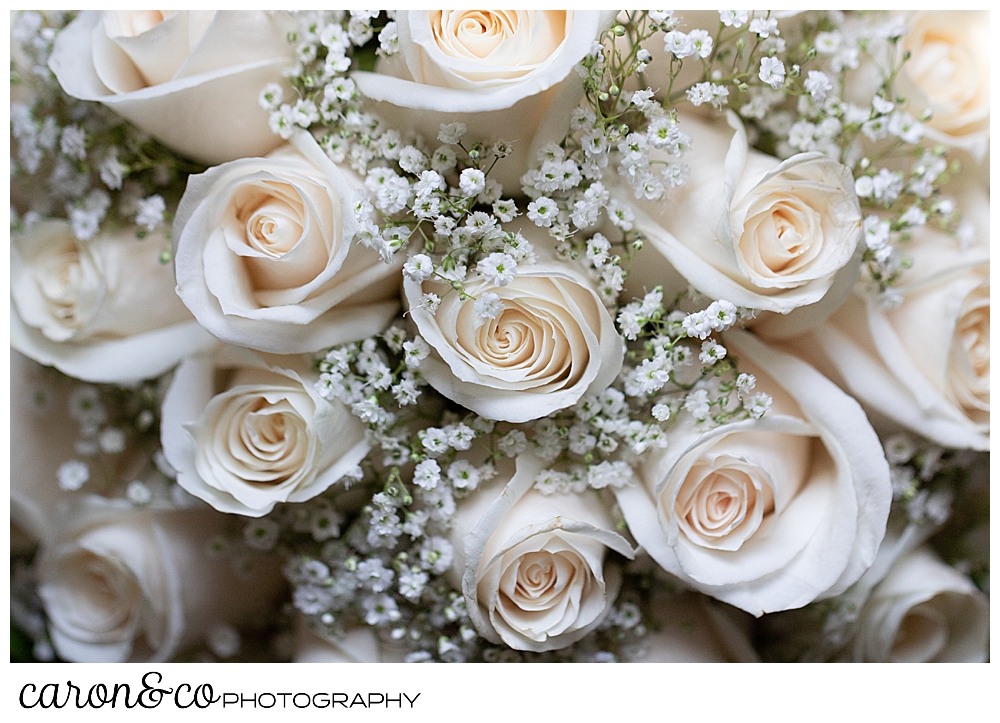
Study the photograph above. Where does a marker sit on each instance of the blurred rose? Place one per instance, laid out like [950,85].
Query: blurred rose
[507,74]
[265,258]
[924,612]
[773,513]
[949,73]
[358,645]
[689,628]
[189,78]
[258,435]
[758,232]
[925,363]
[551,342]
[129,584]
[534,568]
[102,310]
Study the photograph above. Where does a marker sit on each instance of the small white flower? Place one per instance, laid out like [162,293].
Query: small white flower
[505,209]
[721,314]
[772,71]
[498,268]
[661,412]
[451,133]
[150,212]
[818,85]
[463,475]
[711,352]
[73,474]
[542,211]
[881,105]
[487,307]
[677,43]
[701,43]
[764,27]
[418,268]
[261,533]
[734,18]
[472,182]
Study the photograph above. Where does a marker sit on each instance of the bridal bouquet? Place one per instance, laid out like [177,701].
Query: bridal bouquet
[499,336]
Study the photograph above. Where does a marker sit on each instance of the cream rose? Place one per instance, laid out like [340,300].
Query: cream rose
[260,436]
[762,233]
[506,74]
[767,514]
[949,73]
[924,612]
[131,584]
[534,568]
[189,78]
[552,341]
[102,310]
[265,259]
[926,363]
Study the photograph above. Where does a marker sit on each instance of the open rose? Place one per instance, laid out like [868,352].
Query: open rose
[759,232]
[551,341]
[259,435]
[265,259]
[949,72]
[773,513]
[103,310]
[924,611]
[122,583]
[925,363]
[505,74]
[534,568]
[189,78]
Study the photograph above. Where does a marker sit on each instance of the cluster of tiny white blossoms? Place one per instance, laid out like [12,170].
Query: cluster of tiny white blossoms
[75,159]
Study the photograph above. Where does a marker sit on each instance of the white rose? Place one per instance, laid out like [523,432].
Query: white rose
[507,74]
[264,256]
[257,436]
[552,341]
[189,78]
[103,310]
[767,514]
[692,629]
[924,612]
[533,568]
[926,363]
[949,73]
[130,584]
[759,232]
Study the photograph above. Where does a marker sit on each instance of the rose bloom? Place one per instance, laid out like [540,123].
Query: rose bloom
[923,612]
[925,363]
[949,73]
[534,569]
[762,233]
[265,258]
[552,341]
[102,310]
[127,584]
[773,513]
[506,74]
[245,434]
[190,78]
